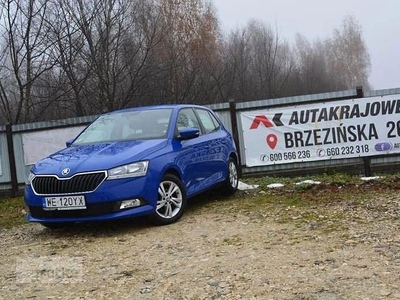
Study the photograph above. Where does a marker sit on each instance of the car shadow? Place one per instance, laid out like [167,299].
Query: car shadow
[97,229]
[205,199]
[120,227]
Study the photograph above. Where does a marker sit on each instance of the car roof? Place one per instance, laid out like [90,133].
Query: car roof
[152,107]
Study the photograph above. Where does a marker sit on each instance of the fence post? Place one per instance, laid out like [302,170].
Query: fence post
[235,133]
[366,159]
[360,92]
[11,158]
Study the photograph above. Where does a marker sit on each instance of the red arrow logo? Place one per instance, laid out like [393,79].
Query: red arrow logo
[261,119]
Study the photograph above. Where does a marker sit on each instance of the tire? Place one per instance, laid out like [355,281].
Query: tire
[54,225]
[231,183]
[171,201]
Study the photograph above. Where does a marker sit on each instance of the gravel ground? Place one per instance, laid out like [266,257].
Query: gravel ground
[221,249]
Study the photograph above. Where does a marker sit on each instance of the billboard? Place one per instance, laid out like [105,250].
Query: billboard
[39,144]
[321,131]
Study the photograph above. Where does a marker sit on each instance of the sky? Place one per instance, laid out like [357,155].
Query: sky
[379,19]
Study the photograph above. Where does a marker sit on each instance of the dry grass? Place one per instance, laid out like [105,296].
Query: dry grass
[12,212]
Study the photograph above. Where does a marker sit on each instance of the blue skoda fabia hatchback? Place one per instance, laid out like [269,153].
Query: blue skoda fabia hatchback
[134,162]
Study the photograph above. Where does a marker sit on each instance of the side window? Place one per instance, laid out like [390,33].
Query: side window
[187,119]
[209,122]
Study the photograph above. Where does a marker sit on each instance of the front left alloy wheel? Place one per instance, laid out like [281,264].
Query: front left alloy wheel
[171,201]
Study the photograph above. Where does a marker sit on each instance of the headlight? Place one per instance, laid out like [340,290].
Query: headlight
[30,178]
[132,170]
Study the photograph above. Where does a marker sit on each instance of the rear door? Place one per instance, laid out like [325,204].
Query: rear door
[216,152]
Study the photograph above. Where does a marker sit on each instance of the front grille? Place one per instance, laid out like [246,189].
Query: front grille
[80,183]
[91,210]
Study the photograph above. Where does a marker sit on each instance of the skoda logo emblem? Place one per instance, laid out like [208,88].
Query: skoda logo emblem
[65,172]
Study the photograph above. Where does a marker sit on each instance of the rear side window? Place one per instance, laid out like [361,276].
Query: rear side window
[209,122]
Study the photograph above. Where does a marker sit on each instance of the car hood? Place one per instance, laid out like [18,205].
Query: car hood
[95,157]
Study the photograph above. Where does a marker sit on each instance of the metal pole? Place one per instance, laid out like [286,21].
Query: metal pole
[366,159]
[11,158]
[235,133]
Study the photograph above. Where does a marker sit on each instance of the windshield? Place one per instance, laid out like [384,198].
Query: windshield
[126,126]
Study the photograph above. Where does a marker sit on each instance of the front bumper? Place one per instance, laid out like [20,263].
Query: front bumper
[128,213]
[101,204]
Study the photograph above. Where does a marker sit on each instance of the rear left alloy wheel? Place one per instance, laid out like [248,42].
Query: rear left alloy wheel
[171,201]
[232,180]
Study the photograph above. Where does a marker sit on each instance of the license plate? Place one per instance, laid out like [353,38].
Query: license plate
[64,203]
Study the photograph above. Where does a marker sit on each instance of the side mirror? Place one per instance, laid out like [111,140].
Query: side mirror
[69,143]
[188,133]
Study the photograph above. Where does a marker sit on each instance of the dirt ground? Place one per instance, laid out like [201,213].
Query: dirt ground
[232,248]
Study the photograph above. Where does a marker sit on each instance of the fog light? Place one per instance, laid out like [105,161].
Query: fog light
[130,203]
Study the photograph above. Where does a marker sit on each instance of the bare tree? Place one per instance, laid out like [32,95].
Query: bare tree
[101,24]
[259,63]
[348,54]
[237,63]
[271,60]
[27,46]
[313,76]
[71,72]
[188,50]
[118,38]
